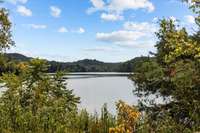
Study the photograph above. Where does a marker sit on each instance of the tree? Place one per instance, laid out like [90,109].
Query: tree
[5,40]
[127,118]
[173,76]
[35,101]
[5,31]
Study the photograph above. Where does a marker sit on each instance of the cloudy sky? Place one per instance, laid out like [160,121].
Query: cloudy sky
[106,30]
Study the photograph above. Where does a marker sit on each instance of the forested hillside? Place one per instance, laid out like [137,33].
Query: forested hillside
[85,65]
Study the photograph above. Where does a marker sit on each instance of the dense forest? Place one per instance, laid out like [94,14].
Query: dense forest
[36,102]
[86,65]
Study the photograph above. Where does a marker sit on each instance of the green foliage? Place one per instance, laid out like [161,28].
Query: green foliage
[5,31]
[83,65]
[173,76]
[175,44]
[5,41]
[36,102]
[88,123]
[131,65]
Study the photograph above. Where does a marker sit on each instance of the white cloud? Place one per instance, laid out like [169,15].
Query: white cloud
[120,6]
[55,11]
[23,1]
[81,30]
[37,26]
[189,19]
[111,17]
[121,36]
[133,34]
[17,1]
[62,30]
[143,27]
[147,44]
[98,3]
[115,8]
[24,11]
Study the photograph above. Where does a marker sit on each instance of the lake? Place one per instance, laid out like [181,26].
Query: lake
[95,89]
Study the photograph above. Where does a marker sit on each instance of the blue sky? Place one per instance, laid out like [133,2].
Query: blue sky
[106,30]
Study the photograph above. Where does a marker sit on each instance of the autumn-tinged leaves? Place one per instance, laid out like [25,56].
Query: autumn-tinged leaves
[127,118]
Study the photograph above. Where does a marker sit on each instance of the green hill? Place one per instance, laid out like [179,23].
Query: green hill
[86,65]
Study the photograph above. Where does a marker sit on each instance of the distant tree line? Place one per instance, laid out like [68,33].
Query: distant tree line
[86,65]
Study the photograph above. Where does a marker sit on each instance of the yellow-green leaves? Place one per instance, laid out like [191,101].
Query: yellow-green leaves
[175,44]
[174,75]
[5,31]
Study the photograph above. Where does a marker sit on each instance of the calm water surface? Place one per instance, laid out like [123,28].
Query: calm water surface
[95,89]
